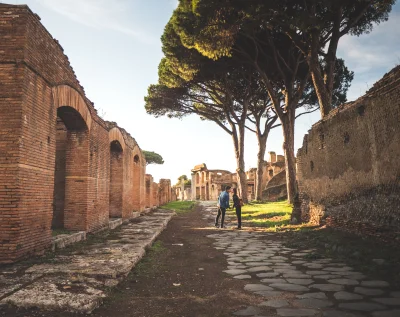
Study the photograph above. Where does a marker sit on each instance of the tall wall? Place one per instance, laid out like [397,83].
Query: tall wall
[349,167]
[58,165]
[164,191]
[149,191]
[156,195]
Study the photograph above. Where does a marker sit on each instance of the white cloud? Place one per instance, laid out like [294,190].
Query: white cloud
[379,49]
[99,14]
[370,56]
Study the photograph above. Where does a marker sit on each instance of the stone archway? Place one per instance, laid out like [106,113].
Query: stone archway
[71,170]
[71,178]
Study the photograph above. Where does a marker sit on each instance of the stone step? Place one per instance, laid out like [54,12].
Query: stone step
[63,240]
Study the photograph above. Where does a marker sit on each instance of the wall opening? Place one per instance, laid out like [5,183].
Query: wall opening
[116,179]
[71,171]
[322,140]
[346,138]
[271,173]
[361,110]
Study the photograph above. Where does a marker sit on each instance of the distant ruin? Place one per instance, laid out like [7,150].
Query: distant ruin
[61,165]
[208,184]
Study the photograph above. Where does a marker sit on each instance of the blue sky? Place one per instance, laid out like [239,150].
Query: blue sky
[114,48]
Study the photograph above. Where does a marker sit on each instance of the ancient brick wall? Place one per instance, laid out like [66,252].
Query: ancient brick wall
[349,167]
[164,191]
[60,163]
[156,195]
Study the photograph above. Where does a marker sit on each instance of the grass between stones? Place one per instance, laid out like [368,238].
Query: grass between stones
[180,206]
[57,232]
[149,261]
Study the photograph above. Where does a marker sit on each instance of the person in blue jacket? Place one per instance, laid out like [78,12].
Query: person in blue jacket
[223,202]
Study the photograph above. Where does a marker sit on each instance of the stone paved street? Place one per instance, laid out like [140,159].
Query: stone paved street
[76,281]
[195,271]
[294,284]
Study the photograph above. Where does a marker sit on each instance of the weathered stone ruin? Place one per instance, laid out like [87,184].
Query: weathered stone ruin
[208,184]
[182,191]
[274,178]
[349,167]
[61,164]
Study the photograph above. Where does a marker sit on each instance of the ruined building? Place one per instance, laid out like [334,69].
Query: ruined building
[208,184]
[349,167]
[274,178]
[61,165]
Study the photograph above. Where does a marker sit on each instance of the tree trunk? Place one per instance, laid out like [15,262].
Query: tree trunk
[288,148]
[324,96]
[238,141]
[262,146]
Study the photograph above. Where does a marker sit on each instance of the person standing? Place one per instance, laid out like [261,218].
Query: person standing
[223,200]
[237,204]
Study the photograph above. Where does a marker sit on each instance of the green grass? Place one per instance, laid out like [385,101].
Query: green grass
[180,206]
[57,232]
[274,216]
[148,262]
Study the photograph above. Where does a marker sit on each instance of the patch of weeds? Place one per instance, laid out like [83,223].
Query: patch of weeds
[180,207]
[148,262]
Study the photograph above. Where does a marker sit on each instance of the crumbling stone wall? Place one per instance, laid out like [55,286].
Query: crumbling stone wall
[276,188]
[165,191]
[57,156]
[156,195]
[274,178]
[208,184]
[152,193]
[349,167]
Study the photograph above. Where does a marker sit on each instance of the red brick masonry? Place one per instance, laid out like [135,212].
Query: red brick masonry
[61,165]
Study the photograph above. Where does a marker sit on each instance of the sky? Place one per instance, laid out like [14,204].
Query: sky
[115,48]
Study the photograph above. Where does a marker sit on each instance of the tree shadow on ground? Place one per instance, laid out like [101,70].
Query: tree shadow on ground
[367,254]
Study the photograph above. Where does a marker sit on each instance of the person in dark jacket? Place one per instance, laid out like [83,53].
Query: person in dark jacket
[237,204]
[223,201]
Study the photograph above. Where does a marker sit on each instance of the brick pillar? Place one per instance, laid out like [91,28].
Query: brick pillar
[77,181]
[149,190]
[116,180]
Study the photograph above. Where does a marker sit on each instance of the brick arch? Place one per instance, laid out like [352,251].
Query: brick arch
[116,135]
[64,95]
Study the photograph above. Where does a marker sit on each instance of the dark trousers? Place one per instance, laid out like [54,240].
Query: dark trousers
[239,216]
[221,211]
